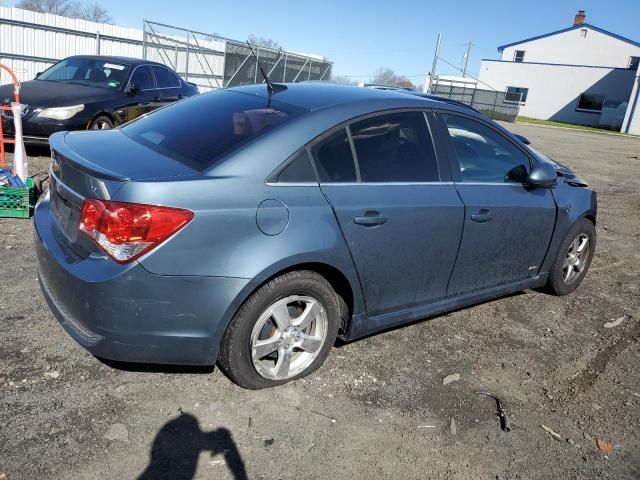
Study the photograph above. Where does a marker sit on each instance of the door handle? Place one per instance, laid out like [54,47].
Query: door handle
[370,219]
[482,216]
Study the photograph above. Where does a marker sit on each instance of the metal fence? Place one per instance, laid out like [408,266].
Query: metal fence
[30,42]
[492,103]
[212,61]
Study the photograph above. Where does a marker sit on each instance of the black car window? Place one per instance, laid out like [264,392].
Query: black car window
[142,78]
[200,130]
[334,160]
[299,170]
[165,77]
[483,154]
[395,147]
[87,71]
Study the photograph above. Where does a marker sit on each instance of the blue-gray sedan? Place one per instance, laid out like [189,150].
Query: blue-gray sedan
[252,227]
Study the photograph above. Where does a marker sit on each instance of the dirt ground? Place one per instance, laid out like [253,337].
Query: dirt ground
[378,408]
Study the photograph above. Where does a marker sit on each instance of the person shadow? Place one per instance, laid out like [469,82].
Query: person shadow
[177,446]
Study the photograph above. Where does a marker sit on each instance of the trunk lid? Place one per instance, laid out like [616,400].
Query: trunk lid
[97,165]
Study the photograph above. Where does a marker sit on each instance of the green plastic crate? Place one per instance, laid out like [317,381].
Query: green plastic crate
[18,202]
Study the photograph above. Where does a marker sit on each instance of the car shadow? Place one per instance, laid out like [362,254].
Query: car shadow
[178,444]
[31,150]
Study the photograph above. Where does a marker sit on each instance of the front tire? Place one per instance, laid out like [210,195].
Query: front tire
[283,332]
[101,123]
[573,258]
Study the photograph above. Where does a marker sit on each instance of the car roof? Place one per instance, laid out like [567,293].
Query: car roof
[319,95]
[109,58]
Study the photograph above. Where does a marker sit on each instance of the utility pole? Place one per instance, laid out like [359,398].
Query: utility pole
[435,60]
[466,59]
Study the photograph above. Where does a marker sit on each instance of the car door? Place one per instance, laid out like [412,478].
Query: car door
[168,84]
[401,222]
[144,97]
[507,225]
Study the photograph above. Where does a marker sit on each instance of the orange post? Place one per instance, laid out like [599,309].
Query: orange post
[16,94]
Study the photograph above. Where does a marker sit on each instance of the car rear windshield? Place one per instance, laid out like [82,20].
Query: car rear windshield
[201,130]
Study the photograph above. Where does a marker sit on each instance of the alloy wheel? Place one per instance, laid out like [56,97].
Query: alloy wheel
[576,259]
[288,337]
[101,125]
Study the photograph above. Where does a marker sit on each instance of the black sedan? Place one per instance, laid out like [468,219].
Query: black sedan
[92,92]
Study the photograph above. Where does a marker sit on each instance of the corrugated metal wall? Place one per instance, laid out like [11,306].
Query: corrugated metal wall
[30,41]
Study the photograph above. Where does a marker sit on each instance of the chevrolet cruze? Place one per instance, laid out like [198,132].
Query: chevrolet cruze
[250,227]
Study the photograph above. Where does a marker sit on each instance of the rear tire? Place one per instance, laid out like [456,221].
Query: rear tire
[573,258]
[282,332]
[101,123]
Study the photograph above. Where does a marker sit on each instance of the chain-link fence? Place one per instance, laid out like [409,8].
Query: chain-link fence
[492,103]
[211,61]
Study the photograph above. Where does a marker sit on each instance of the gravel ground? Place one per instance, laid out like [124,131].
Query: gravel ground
[378,408]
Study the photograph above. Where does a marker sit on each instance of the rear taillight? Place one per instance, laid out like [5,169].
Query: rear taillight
[127,230]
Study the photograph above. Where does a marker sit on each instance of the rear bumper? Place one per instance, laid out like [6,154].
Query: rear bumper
[125,313]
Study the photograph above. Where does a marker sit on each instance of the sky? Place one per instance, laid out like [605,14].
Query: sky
[360,36]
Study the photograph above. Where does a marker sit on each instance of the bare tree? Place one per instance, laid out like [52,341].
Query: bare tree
[263,42]
[68,8]
[95,13]
[387,76]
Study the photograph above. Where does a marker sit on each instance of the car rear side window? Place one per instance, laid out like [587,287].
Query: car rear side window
[142,78]
[334,160]
[483,154]
[200,130]
[165,77]
[395,147]
[299,170]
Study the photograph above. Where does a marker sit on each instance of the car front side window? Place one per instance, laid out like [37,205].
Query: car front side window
[483,154]
[142,78]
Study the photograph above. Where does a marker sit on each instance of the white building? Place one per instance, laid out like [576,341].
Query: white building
[581,74]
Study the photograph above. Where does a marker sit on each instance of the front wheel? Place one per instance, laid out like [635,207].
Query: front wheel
[282,332]
[101,123]
[573,259]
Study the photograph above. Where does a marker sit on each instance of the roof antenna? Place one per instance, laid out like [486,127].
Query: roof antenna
[271,88]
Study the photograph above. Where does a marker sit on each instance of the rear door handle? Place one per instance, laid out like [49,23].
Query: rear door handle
[482,216]
[370,219]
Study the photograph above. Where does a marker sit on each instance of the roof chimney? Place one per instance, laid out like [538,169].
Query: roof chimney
[580,16]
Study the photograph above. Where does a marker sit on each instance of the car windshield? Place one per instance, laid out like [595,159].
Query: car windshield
[87,71]
[201,130]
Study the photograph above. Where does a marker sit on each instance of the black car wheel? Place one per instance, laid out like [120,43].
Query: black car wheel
[284,331]
[573,258]
[101,123]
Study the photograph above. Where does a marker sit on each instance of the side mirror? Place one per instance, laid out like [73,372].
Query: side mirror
[524,140]
[132,89]
[38,74]
[542,175]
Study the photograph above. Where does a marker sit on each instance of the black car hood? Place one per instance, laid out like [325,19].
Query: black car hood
[45,94]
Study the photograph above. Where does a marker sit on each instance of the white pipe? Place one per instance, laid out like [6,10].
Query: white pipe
[20,162]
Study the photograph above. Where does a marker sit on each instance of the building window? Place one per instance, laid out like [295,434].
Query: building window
[516,95]
[590,102]
[633,63]
[518,56]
